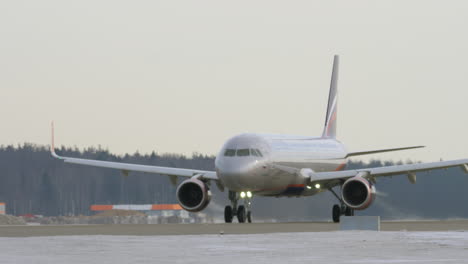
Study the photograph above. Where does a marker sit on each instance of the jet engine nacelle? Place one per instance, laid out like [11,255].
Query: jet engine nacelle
[193,195]
[358,193]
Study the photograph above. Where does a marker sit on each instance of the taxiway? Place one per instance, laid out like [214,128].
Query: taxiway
[206,229]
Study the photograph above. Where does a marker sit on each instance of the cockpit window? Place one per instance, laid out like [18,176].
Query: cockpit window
[256,152]
[243,152]
[230,153]
[259,153]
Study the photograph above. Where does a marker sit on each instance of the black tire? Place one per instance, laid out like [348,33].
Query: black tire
[241,214]
[228,214]
[349,211]
[249,216]
[336,213]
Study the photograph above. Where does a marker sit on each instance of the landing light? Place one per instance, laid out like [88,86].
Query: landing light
[242,195]
[249,195]
[317,186]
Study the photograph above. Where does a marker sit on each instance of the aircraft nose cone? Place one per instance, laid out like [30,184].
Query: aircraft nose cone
[238,175]
[236,170]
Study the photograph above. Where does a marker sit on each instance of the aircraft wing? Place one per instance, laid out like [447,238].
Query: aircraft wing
[334,178]
[127,167]
[360,153]
[372,173]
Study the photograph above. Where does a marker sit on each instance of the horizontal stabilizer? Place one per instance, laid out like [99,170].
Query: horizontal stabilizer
[360,153]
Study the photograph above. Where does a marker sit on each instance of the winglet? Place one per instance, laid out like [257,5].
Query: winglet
[465,167]
[52,143]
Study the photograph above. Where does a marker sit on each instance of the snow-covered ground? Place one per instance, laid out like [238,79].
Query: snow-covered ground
[323,247]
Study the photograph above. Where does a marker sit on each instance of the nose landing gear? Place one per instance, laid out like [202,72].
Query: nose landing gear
[228,214]
[243,212]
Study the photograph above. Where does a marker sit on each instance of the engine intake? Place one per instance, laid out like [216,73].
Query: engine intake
[193,195]
[358,193]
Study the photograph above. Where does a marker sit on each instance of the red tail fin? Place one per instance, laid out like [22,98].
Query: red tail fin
[331,119]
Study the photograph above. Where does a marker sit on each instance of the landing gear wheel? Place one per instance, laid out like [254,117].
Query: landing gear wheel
[336,213]
[228,214]
[241,214]
[349,212]
[249,216]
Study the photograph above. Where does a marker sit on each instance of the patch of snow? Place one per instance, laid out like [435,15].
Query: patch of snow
[321,247]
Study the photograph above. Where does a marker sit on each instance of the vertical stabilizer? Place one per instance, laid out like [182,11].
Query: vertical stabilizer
[331,119]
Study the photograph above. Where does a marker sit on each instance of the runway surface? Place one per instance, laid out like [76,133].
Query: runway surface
[348,247]
[205,229]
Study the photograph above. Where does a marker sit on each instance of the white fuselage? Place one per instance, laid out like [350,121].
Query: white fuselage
[248,162]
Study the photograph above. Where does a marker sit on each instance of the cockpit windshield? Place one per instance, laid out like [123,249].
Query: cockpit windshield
[230,153]
[242,153]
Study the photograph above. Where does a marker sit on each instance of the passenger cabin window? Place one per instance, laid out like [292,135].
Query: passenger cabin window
[243,152]
[230,153]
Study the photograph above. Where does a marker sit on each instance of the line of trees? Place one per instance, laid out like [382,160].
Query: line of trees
[32,182]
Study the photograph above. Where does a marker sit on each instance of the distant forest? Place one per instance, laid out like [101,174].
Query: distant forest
[32,182]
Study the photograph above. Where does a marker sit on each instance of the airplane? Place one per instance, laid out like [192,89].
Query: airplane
[272,165]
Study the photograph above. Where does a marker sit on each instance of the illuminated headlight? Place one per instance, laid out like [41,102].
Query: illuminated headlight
[249,195]
[242,195]
[308,187]
[317,186]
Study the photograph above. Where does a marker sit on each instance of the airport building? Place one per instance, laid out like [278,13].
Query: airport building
[157,213]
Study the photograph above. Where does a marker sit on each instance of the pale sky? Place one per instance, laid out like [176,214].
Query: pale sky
[184,76]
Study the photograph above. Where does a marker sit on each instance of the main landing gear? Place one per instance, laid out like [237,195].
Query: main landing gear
[339,210]
[243,212]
